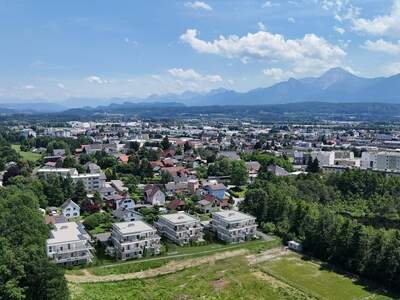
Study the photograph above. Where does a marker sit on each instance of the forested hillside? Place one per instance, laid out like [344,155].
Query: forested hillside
[334,217]
[25,271]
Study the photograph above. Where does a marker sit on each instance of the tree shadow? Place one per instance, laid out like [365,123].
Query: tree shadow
[366,284]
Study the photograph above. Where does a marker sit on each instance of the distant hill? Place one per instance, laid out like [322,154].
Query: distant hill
[336,86]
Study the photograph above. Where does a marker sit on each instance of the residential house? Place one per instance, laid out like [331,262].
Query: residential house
[181,228]
[69,244]
[134,240]
[204,206]
[277,170]
[217,190]
[233,226]
[70,209]
[154,195]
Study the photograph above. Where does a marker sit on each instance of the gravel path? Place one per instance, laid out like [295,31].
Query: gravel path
[171,267]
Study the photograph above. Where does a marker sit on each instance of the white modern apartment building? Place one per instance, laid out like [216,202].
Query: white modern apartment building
[134,239]
[233,226]
[368,160]
[93,182]
[69,244]
[64,172]
[382,161]
[325,158]
[181,228]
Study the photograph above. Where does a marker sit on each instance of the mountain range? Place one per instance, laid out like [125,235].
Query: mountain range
[336,86]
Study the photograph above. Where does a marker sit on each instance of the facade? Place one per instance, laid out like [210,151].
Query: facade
[325,158]
[70,209]
[134,240]
[69,244]
[381,161]
[216,190]
[389,161]
[64,172]
[181,228]
[233,226]
[368,160]
[93,182]
[154,195]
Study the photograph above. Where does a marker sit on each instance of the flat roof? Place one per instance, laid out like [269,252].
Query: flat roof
[233,215]
[178,218]
[132,227]
[67,232]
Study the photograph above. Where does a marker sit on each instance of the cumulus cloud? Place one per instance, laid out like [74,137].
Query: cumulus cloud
[96,79]
[339,30]
[198,5]
[291,20]
[192,75]
[387,25]
[310,53]
[267,4]
[383,46]
[60,85]
[277,73]
[392,69]
[261,26]
[341,9]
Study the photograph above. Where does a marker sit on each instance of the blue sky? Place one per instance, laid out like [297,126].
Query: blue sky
[60,49]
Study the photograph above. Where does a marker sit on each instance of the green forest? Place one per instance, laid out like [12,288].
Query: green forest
[350,220]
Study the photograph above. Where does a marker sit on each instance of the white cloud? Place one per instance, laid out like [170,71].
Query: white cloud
[388,25]
[383,46]
[28,87]
[190,74]
[262,26]
[198,5]
[60,85]
[341,9]
[339,30]
[309,54]
[291,20]
[96,79]
[277,73]
[129,41]
[392,69]
[267,4]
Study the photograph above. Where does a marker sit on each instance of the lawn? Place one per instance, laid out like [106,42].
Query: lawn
[227,279]
[175,252]
[26,155]
[320,282]
[288,277]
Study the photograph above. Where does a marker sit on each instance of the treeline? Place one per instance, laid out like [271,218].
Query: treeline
[310,209]
[25,271]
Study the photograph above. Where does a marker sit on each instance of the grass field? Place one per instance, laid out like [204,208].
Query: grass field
[26,155]
[320,282]
[228,279]
[288,277]
[175,252]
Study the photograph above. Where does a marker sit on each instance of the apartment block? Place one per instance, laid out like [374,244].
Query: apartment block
[181,228]
[93,182]
[69,244]
[134,239]
[233,226]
